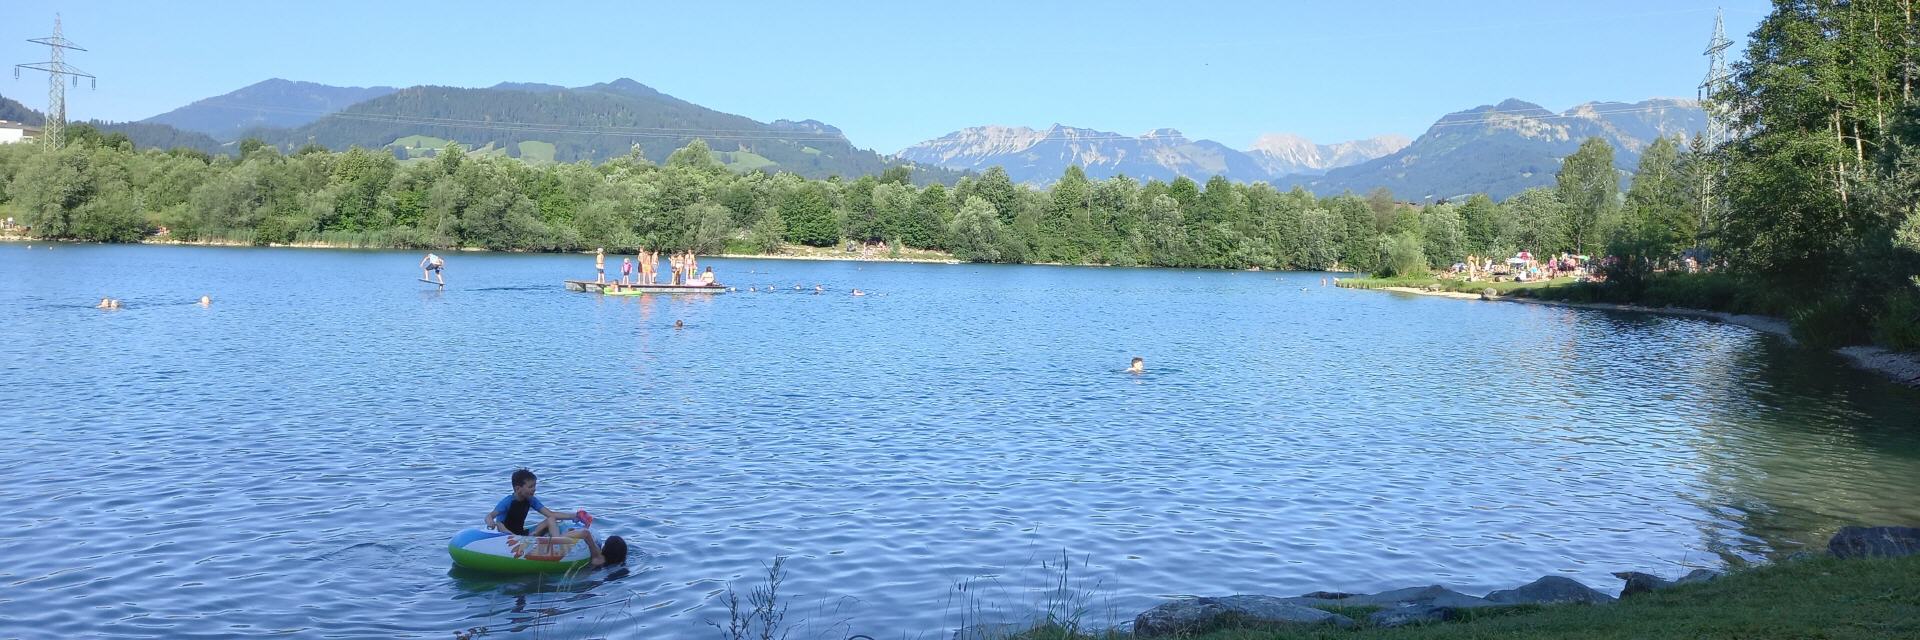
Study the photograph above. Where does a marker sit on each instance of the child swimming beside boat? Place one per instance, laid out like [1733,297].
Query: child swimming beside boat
[510,515]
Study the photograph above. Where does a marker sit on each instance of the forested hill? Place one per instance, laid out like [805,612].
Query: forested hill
[1503,149]
[542,123]
[12,111]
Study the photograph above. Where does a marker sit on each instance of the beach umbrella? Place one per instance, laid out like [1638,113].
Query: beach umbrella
[1524,256]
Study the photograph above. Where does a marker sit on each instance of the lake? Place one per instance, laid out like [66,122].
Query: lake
[293,458]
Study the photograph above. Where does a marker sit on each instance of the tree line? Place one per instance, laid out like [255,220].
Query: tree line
[98,187]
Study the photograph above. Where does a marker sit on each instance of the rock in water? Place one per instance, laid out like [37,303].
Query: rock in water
[1550,590]
[1202,615]
[1874,542]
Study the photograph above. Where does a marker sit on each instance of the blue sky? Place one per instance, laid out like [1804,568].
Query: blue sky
[892,74]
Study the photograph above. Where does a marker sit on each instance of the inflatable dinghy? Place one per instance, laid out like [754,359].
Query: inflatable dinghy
[502,552]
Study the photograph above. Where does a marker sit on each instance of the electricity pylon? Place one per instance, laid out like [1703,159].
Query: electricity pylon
[58,71]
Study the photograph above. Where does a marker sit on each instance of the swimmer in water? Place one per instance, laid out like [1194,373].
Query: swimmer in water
[206,301]
[819,288]
[105,303]
[1139,365]
[858,292]
[679,324]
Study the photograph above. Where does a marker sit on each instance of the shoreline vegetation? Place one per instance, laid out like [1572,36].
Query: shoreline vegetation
[1864,584]
[1900,366]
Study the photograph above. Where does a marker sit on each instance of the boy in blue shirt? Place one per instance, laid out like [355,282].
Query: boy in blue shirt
[511,515]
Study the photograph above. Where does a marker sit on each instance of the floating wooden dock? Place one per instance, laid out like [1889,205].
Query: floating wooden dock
[617,289]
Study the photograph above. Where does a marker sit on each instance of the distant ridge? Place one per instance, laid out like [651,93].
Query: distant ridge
[1039,157]
[269,104]
[1506,148]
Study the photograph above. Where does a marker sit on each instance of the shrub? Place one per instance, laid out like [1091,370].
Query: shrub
[1402,256]
[1897,326]
[1833,322]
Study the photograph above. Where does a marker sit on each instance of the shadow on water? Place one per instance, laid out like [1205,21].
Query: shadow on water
[1799,445]
[577,603]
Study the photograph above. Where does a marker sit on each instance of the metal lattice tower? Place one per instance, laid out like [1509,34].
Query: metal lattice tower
[1719,130]
[58,71]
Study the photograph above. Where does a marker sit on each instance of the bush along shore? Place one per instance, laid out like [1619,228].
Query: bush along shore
[1889,348]
[1866,585]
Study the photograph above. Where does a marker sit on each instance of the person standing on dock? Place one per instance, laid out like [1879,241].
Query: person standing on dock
[600,265]
[626,270]
[432,265]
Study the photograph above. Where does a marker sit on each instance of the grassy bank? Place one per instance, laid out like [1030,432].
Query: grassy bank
[1815,598]
[1825,320]
[1456,286]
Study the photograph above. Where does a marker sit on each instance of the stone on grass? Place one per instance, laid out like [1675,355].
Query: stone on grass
[1875,542]
[1638,583]
[1432,595]
[1411,614]
[1328,595]
[1203,615]
[1699,575]
[1550,590]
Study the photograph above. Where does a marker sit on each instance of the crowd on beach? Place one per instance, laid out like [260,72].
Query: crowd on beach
[1524,267]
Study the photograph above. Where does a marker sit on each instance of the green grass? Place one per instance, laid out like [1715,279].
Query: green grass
[743,160]
[1817,598]
[418,146]
[536,151]
[1459,286]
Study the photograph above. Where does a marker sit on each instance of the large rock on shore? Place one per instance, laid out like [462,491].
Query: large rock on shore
[1433,596]
[1550,590]
[1202,615]
[1875,542]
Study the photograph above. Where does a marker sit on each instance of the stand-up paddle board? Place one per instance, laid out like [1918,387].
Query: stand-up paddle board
[432,282]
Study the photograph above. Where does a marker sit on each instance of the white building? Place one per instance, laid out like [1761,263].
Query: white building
[16,132]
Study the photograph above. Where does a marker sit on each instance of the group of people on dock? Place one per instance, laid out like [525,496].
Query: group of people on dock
[640,270]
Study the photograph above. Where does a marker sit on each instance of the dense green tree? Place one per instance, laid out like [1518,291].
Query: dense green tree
[1442,240]
[1658,210]
[926,225]
[1589,188]
[1480,226]
[976,234]
[1534,222]
[809,218]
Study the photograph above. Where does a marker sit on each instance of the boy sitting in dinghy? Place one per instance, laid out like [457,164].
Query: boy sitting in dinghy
[511,515]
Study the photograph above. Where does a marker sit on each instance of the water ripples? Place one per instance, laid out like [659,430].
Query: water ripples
[294,458]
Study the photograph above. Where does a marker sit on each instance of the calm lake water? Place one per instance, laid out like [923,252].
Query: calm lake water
[294,458]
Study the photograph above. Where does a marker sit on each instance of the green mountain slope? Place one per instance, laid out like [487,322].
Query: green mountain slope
[593,123]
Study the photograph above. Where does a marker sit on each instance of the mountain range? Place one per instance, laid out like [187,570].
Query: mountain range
[1039,157]
[532,121]
[1506,148]
[1498,149]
